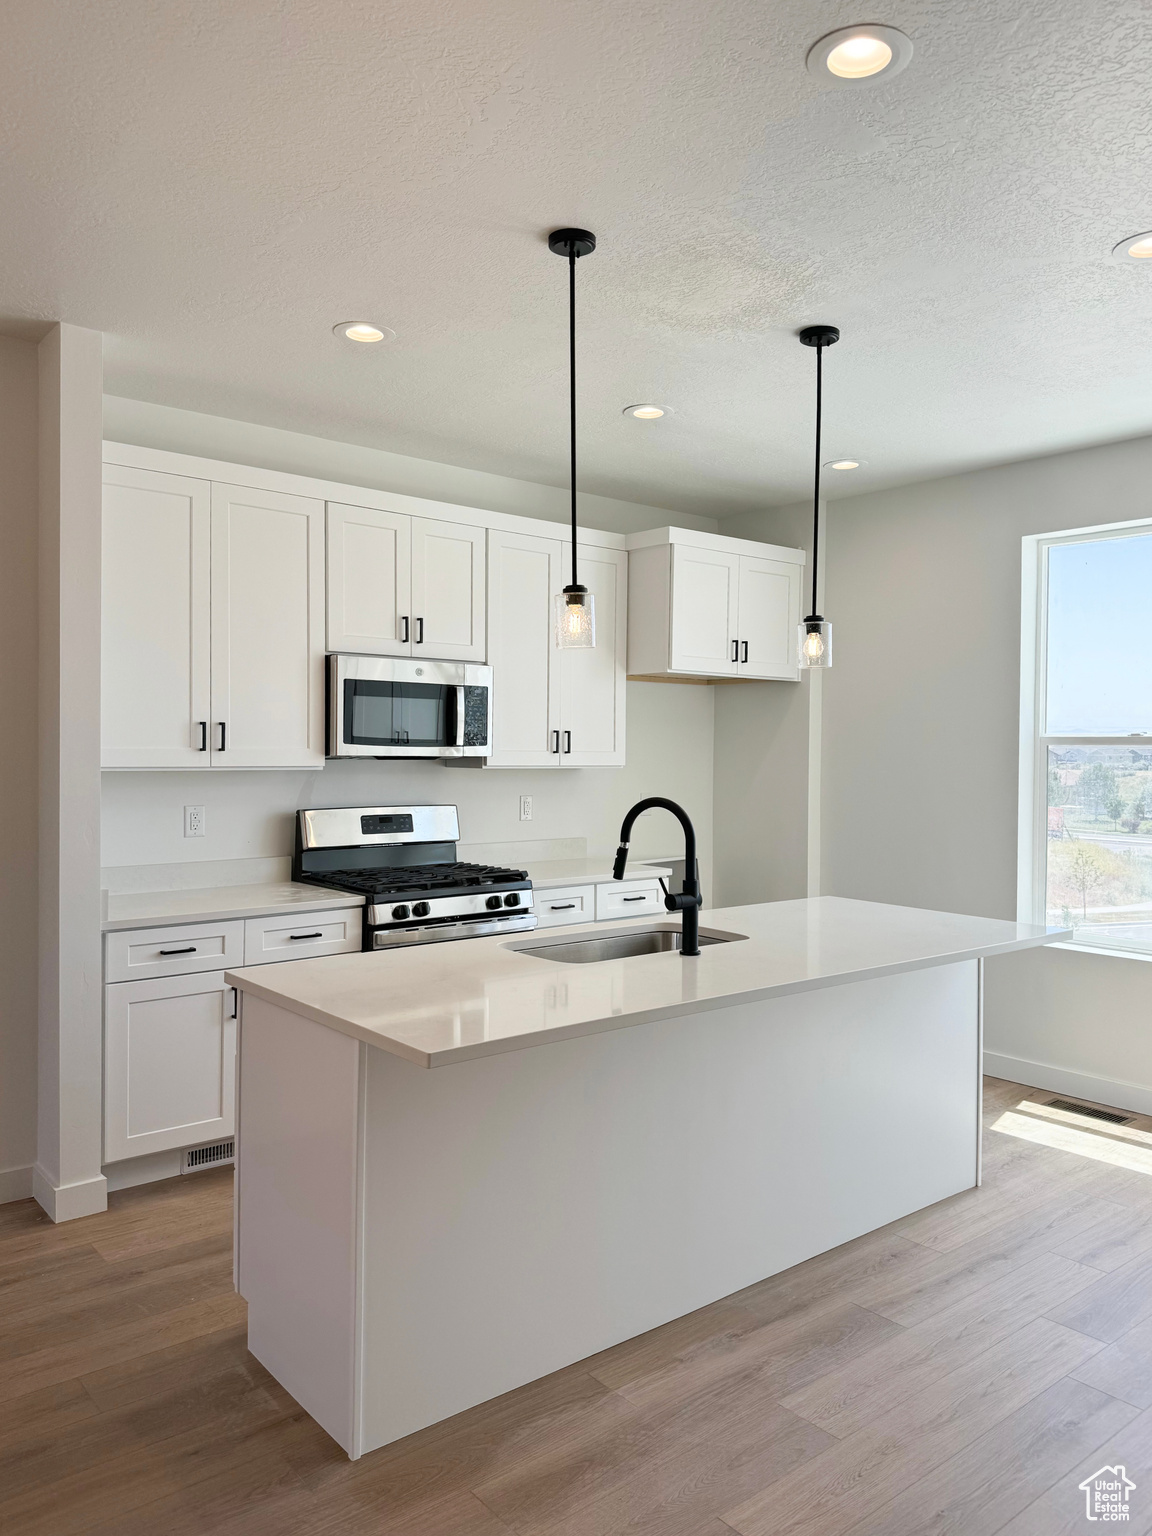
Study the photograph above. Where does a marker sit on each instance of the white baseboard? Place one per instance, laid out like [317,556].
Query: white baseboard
[65,1202]
[15,1184]
[1098,1090]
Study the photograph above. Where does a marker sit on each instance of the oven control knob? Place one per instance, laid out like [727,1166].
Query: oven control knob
[493,903]
[421,909]
[399,913]
[513,900]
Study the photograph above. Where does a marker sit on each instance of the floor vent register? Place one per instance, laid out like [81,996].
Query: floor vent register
[206,1157]
[1085,1109]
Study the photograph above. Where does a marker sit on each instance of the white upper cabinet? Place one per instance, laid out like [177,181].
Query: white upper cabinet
[448,590]
[155,706]
[593,683]
[267,629]
[369,581]
[404,586]
[523,575]
[212,624]
[553,708]
[702,605]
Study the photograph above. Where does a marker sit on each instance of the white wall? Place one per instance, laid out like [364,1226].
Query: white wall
[243,442]
[250,815]
[763,766]
[920,740]
[19,483]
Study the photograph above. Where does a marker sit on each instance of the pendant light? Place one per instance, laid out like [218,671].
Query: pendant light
[575,605]
[814,640]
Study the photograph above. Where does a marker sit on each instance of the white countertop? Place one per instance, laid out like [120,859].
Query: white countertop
[435,1004]
[556,872]
[218,903]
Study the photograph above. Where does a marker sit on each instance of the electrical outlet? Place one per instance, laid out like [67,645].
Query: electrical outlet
[525,807]
[193,821]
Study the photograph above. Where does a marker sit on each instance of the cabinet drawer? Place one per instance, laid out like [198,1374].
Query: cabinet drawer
[628,898]
[304,933]
[139,954]
[570,904]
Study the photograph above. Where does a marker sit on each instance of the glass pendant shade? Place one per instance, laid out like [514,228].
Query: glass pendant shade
[814,642]
[575,619]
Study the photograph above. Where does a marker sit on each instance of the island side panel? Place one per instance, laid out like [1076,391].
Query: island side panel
[525,1210]
[298,1204]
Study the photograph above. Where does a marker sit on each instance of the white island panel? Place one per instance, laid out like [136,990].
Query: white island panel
[527,1209]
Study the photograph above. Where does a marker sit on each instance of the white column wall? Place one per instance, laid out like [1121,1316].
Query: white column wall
[67,1180]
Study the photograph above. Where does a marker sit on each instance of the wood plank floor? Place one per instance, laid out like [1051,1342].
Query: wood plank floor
[958,1372]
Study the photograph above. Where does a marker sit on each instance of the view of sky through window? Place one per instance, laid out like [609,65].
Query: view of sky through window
[1100,637]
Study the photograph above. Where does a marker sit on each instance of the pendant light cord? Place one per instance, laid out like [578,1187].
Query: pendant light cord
[816,493]
[572,388]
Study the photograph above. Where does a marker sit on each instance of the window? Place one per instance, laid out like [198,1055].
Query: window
[1086,760]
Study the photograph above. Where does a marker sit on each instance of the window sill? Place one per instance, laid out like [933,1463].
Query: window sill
[1096,949]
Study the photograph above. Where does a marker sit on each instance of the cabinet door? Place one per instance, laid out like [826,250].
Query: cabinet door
[447,590]
[169,1063]
[155,620]
[267,629]
[369,581]
[769,613]
[593,684]
[523,574]
[705,590]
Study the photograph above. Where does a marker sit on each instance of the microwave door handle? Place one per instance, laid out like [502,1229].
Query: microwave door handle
[459,717]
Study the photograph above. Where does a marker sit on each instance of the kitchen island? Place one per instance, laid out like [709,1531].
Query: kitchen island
[464,1165]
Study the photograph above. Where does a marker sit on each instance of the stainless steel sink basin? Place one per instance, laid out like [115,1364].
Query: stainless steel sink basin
[619,944]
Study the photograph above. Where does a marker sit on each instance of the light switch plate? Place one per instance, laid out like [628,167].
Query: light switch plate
[193,821]
[525,807]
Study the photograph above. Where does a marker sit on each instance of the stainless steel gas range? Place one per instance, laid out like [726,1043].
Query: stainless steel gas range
[402,859]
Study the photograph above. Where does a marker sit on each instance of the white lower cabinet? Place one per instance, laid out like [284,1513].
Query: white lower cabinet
[169,1063]
[302,938]
[628,898]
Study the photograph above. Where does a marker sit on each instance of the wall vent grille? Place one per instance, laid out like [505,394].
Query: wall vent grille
[205,1157]
[1086,1109]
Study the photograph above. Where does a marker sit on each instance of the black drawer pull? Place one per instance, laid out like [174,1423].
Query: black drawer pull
[305,935]
[191,950]
[635,898]
[562,906]
[744,648]
[203,736]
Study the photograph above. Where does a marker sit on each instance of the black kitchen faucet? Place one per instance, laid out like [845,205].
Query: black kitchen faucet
[688,901]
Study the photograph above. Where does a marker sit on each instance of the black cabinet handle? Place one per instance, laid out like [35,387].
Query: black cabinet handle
[562,906]
[419,631]
[191,950]
[235,1001]
[404,636]
[203,735]
[745,649]
[635,898]
[223,736]
[567,741]
[555,741]
[305,935]
[735,649]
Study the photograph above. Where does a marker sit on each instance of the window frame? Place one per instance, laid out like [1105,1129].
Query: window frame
[1032,857]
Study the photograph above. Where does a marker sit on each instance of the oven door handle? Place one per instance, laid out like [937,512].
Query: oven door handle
[459,717]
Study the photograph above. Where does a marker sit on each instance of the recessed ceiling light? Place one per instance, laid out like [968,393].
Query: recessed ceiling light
[845,463]
[1135,248]
[647,412]
[853,54]
[363,331]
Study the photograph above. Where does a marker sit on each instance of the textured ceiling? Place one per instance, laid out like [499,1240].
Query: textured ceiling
[214,185]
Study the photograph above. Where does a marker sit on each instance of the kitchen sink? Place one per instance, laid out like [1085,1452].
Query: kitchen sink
[620,944]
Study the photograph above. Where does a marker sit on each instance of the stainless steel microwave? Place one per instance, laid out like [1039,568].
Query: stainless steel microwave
[384,706]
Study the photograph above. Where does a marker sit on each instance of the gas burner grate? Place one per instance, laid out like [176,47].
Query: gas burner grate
[420,877]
